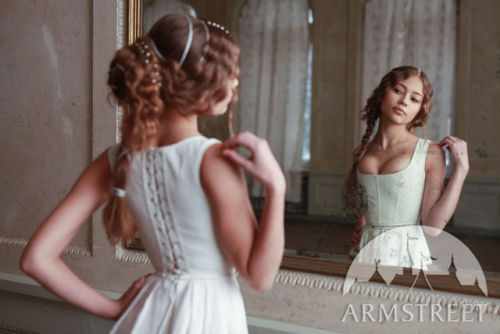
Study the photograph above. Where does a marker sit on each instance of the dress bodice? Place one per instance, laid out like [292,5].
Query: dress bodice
[395,199]
[394,204]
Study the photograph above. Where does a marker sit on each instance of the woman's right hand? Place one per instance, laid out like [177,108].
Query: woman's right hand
[458,150]
[262,164]
[128,296]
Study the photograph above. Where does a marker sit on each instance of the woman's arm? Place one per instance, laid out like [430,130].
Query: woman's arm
[438,206]
[356,237]
[41,258]
[255,251]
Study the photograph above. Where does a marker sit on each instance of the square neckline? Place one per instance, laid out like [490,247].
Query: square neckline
[395,173]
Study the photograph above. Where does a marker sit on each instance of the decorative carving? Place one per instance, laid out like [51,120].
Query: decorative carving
[128,255]
[121,38]
[19,242]
[316,281]
[14,330]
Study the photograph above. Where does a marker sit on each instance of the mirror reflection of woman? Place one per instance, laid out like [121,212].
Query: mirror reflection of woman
[185,193]
[397,178]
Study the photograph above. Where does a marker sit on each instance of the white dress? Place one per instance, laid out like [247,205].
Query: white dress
[194,288]
[392,235]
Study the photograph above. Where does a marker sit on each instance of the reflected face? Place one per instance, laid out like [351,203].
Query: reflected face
[402,102]
[221,107]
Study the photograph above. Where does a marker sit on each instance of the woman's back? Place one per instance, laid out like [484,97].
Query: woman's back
[194,288]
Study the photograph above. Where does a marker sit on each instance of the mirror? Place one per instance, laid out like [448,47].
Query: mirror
[317,231]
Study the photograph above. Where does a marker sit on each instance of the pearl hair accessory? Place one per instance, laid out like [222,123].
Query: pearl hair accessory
[216,25]
[145,52]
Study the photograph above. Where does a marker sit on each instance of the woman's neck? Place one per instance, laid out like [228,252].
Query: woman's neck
[174,127]
[391,135]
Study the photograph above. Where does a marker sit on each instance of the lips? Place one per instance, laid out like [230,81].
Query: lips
[399,111]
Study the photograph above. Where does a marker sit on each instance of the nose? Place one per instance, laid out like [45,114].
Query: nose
[402,101]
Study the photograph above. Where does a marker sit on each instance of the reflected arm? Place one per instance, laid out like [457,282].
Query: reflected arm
[439,203]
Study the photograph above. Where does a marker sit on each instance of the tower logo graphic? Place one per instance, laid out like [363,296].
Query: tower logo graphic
[424,249]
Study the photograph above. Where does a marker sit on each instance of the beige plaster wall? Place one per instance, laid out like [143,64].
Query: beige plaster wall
[55,120]
[45,109]
[478,85]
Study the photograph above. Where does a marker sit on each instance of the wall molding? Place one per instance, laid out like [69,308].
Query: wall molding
[21,242]
[121,38]
[397,294]
[134,256]
[14,330]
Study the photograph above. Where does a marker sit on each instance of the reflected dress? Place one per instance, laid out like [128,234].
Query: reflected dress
[194,288]
[395,200]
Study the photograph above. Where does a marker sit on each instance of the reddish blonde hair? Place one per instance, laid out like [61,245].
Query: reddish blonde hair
[354,202]
[193,88]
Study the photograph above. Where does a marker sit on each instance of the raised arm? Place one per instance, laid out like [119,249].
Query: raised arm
[255,250]
[41,258]
[438,205]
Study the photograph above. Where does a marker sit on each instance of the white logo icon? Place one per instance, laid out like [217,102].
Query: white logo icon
[424,249]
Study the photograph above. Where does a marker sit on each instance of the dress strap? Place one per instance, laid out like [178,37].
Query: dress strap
[201,152]
[425,145]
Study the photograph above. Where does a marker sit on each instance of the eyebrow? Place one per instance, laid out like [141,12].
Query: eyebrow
[399,83]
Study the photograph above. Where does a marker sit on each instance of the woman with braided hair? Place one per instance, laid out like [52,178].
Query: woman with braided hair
[184,193]
[397,179]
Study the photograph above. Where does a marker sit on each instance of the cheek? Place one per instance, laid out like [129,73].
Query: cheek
[417,109]
[416,112]
[387,102]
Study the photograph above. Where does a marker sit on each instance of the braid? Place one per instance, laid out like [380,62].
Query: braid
[354,195]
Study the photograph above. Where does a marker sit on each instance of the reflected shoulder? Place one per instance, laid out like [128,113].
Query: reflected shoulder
[435,158]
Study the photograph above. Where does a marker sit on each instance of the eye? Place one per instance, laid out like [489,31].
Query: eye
[414,100]
[397,90]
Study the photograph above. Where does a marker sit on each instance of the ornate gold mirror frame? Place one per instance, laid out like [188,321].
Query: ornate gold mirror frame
[335,268]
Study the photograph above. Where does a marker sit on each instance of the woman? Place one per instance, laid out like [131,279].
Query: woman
[183,192]
[397,179]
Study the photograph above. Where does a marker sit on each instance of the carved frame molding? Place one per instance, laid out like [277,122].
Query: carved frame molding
[21,242]
[395,293]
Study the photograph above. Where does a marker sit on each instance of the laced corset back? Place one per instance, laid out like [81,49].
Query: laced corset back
[171,210]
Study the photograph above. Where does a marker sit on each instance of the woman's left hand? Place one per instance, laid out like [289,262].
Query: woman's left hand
[127,297]
[458,150]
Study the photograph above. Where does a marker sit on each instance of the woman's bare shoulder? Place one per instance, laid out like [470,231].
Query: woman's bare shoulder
[217,171]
